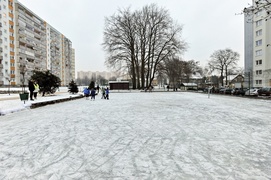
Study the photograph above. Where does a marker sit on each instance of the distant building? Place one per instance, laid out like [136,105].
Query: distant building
[95,75]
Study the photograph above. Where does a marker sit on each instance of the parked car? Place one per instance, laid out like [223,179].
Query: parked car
[225,91]
[222,91]
[228,91]
[265,91]
[238,91]
[251,92]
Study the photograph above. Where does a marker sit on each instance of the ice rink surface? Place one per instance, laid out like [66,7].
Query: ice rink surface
[159,135]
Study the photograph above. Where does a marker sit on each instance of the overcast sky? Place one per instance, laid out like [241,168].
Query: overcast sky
[208,25]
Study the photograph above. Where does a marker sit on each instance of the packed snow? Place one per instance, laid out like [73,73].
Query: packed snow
[158,135]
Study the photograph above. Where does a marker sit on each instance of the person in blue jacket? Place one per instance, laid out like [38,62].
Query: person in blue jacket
[107,93]
[86,93]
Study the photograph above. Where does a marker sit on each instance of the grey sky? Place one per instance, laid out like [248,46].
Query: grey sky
[208,25]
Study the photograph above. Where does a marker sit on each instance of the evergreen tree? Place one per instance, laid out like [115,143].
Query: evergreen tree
[92,85]
[47,81]
[73,87]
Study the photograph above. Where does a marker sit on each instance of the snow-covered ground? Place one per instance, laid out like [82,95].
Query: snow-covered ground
[159,135]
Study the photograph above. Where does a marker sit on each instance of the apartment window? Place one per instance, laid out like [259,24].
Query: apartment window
[259,32]
[259,23]
[259,13]
[259,52]
[259,72]
[12,72]
[259,62]
[4,7]
[4,15]
[258,81]
[259,42]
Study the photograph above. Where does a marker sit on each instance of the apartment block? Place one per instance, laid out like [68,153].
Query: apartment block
[260,38]
[96,74]
[29,43]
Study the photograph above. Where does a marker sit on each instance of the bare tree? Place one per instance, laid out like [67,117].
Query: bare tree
[263,6]
[141,41]
[222,61]
[119,42]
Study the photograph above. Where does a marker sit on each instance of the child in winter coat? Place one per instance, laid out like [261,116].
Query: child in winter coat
[86,93]
[103,93]
[93,93]
[107,93]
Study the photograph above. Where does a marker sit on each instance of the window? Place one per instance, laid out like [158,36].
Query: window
[259,23]
[258,62]
[259,42]
[258,81]
[12,72]
[260,12]
[259,52]
[258,72]
[259,32]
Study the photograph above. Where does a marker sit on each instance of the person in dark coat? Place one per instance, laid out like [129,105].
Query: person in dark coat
[107,93]
[31,89]
[93,94]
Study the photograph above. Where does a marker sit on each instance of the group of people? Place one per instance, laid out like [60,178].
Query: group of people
[34,88]
[92,93]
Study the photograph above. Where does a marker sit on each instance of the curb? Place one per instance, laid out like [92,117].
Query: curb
[44,103]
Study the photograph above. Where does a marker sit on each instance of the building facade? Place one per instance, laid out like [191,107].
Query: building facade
[29,43]
[260,52]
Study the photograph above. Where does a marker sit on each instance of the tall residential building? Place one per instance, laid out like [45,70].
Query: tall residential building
[29,43]
[261,49]
[248,51]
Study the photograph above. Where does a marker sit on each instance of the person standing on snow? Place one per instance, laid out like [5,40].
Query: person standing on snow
[37,88]
[107,93]
[31,89]
[86,93]
[103,93]
[93,94]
